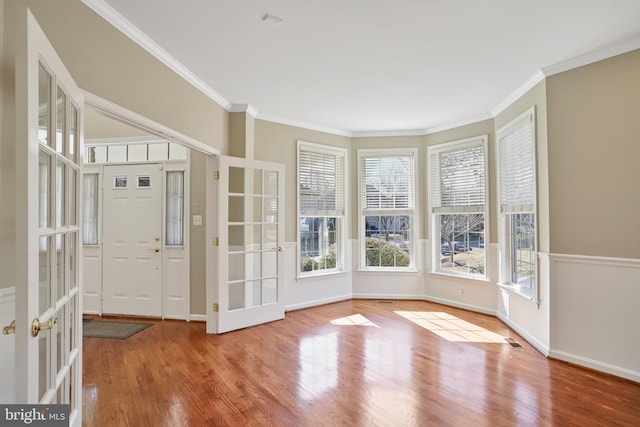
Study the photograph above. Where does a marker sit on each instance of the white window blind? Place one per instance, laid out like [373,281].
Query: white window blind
[387,182]
[458,178]
[516,152]
[321,183]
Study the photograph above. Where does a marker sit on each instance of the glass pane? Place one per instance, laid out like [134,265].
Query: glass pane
[236,266]
[462,243]
[236,237]
[73,205]
[254,178]
[90,209]
[44,264]
[97,155]
[270,236]
[138,153]
[177,152]
[158,151]
[117,153]
[44,361]
[253,237]
[61,118]
[254,290]
[73,130]
[269,264]
[270,209]
[236,208]
[60,195]
[269,291]
[253,266]
[236,180]
[61,340]
[254,208]
[60,256]
[44,193]
[175,208]
[236,296]
[73,310]
[270,183]
[44,103]
[523,250]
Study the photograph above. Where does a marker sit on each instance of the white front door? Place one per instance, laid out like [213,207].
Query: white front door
[132,234]
[47,363]
[251,227]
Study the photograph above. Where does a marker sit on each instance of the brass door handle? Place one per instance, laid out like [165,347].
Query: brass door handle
[11,329]
[280,249]
[156,249]
[37,326]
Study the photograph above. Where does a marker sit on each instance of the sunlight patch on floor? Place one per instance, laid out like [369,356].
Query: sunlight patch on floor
[450,327]
[353,320]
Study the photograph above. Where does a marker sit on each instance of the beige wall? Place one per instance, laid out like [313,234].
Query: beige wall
[594,151]
[276,142]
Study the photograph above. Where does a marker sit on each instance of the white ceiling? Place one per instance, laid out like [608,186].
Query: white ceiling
[362,66]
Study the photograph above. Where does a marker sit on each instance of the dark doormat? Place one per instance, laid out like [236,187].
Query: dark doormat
[111,329]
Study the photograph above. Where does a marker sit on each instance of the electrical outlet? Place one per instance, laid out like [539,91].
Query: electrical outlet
[197,220]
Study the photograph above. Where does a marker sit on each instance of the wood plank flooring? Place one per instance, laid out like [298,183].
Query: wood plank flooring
[354,363]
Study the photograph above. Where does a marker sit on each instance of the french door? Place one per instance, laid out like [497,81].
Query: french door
[46,335]
[251,234]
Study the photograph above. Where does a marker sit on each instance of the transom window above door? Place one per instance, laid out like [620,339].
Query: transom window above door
[137,151]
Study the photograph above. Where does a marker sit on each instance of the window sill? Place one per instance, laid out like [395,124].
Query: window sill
[479,279]
[514,290]
[312,276]
[388,271]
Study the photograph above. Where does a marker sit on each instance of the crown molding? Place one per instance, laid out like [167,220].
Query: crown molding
[610,51]
[518,93]
[127,28]
[302,125]
[244,108]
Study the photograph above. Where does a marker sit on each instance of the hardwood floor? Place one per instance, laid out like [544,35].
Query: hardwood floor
[354,363]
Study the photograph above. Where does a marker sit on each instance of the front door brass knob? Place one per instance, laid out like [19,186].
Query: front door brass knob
[37,326]
[156,249]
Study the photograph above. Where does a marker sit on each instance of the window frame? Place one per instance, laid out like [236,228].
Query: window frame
[412,212]
[434,217]
[507,213]
[340,218]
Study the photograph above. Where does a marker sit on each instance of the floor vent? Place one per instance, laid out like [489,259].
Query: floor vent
[512,342]
[384,302]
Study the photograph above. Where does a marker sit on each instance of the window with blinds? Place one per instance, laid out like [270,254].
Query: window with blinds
[387,204]
[458,200]
[321,207]
[517,185]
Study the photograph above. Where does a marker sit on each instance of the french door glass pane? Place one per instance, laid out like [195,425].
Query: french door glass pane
[269,291]
[44,196]
[44,102]
[60,194]
[60,256]
[255,179]
[61,118]
[73,206]
[61,339]
[72,256]
[44,360]
[236,296]
[45,274]
[236,180]
[73,131]
[72,322]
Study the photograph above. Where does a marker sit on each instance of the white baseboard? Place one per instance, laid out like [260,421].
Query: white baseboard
[323,301]
[541,347]
[594,364]
[389,296]
[197,318]
[462,305]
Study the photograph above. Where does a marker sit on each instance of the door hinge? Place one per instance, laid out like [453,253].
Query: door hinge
[216,241]
[216,307]
[216,175]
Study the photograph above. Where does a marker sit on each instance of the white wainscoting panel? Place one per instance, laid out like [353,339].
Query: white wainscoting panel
[596,314]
